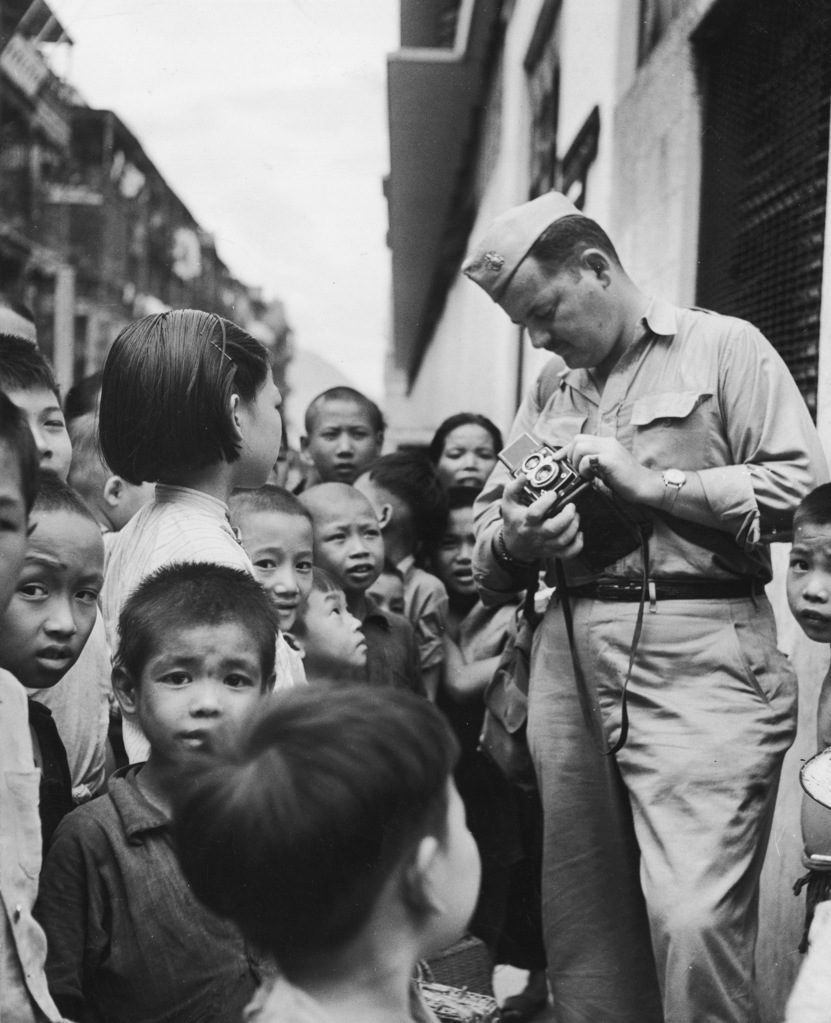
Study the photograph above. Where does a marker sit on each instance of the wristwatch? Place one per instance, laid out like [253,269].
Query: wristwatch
[506,559]
[674,481]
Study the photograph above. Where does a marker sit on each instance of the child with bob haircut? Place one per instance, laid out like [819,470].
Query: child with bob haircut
[334,836]
[127,939]
[189,403]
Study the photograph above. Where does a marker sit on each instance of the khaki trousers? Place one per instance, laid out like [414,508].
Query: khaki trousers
[652,857]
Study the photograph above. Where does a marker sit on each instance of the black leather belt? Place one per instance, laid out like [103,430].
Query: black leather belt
[669,589]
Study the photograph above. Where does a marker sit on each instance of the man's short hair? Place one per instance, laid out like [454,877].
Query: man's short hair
[294,834]
[815,507]
[562,243]
[414,480]
[269,498]
[23,367]
[193,594]
[373,413]
[16,435]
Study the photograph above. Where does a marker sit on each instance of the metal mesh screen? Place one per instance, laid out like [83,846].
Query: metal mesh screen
[766,74]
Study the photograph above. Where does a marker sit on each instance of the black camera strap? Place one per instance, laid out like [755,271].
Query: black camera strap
[590,716]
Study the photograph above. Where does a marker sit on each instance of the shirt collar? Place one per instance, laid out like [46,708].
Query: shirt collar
[166,493]
[661,318]
[136,813]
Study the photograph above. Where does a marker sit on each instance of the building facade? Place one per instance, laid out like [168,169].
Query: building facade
[91,234]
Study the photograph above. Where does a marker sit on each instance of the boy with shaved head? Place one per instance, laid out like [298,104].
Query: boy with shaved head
[349,546]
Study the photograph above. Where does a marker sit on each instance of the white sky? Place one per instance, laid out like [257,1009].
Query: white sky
[268,118]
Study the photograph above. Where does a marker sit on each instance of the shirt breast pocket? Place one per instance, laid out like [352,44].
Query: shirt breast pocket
[559,428]
[674,429]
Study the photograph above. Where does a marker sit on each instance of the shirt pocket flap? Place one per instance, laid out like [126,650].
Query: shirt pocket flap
[677,405]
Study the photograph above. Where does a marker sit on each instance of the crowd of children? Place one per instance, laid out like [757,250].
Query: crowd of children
[178,843]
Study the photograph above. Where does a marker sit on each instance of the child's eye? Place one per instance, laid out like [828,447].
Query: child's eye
[33,591]
[334,537]
[372,532]
[304,566]
[55,424]
[176,678]
[87,596]
[798,564]
[238,682]
[359,434]
[267,564]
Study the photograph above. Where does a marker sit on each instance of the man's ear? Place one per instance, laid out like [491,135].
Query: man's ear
[126,691]
[597,262]
[418,889]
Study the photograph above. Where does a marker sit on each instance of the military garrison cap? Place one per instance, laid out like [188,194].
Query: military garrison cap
[496,256]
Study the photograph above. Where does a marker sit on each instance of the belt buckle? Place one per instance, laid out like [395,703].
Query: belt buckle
[607,590]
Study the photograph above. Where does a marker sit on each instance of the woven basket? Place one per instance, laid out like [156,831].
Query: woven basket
[464,965]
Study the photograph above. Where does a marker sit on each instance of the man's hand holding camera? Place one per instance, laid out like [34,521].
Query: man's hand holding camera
[609,461]
[531,533]
[536,529]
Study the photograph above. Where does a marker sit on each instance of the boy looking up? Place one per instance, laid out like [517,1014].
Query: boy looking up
[344,433]
[24,995]
[334,648]
[47,622]
[276,532]
[348,545]
[127,939]
[346,869]
[411,505]
[80,704]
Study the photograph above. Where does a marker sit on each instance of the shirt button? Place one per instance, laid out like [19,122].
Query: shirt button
[18,912]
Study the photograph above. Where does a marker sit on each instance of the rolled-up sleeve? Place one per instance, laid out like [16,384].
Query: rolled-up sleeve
[776,450]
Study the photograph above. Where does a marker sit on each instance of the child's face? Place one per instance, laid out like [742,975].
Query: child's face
[454,561]
[456,875]
[467,457]
[342,441]
[195,689]
[333,637]
[281,548]
[53,608]
[45,418]
[13,524]
[261,427]
[348,543]
[809,580]
[388,593]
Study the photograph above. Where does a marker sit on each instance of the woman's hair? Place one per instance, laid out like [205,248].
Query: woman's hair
[16,435]
[166,394]
[436,448]
[193,594]
[294,834]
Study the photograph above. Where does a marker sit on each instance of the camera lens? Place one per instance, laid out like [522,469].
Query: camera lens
[531,463]
[544,473]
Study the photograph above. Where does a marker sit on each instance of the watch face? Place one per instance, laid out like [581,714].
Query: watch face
[674,477]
